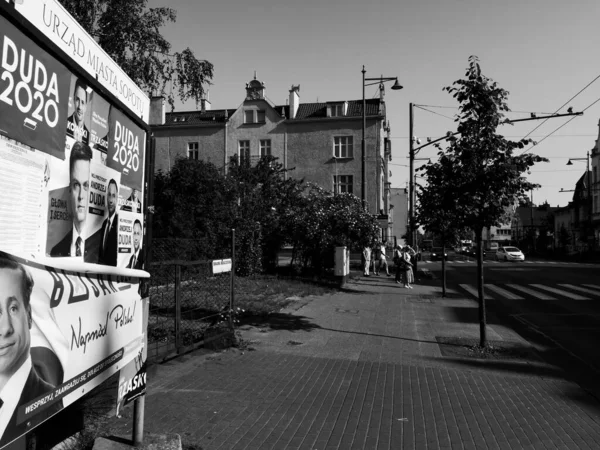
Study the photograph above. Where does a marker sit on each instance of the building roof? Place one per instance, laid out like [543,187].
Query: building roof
[524,215]
[374,107]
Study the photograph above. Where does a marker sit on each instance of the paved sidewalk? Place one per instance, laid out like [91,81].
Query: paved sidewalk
[362,369]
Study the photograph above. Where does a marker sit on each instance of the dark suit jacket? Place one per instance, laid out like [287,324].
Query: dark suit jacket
[71,122]
[108,255]
[34,387]
[139,263]
[63,248]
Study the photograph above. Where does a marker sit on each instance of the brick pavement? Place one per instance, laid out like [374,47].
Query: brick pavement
[361,369]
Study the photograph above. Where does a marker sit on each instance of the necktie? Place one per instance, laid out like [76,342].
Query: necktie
[106,234]
[78,246]
[133,262]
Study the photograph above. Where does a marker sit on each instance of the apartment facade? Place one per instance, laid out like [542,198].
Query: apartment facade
[318,142]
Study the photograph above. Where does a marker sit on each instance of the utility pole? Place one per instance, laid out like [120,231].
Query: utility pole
[411,187]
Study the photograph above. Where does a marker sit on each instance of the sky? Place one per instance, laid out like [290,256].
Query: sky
[543,52]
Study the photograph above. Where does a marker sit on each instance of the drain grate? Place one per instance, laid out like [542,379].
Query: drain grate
[347,311]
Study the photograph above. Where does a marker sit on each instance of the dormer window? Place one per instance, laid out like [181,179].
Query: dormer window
[337,109]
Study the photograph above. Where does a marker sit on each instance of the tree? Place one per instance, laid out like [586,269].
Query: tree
[129,32]
[326,221]
[489,177]
[437,208]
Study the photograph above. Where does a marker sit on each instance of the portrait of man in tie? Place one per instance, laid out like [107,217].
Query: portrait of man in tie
[74,243]
[76,127]
[136,261]
[107,253]
[20,382]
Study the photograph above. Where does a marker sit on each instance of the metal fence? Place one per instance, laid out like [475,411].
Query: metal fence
[189,305]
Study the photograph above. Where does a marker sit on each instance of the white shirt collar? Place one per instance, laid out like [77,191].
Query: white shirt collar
[11,393]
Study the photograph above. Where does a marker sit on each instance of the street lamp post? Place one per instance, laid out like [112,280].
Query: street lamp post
[372,81]
[589,188]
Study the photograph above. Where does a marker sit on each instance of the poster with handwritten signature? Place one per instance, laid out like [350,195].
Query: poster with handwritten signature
[72,330]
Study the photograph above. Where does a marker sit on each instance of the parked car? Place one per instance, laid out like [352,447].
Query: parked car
[472,251]
[509,254]
[436,254]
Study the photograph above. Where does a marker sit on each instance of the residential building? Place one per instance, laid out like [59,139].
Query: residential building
[319,142]
[532,227]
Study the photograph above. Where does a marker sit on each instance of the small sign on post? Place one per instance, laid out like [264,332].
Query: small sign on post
[221,265]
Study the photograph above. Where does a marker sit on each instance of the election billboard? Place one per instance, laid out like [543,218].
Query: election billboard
[72,222]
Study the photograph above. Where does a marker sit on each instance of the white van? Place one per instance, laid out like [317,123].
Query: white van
[494,246]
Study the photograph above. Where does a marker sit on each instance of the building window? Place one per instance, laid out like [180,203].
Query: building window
[249,116]
[343,147]
[260,117]
[193,152]
[343,183]
[337,110]
[265,147]
[244,149]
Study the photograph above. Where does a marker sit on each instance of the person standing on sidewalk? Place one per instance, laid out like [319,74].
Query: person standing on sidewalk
[408,254]
[367,260]
[398,263]
[382,259]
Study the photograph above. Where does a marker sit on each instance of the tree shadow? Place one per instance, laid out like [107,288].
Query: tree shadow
[279,321]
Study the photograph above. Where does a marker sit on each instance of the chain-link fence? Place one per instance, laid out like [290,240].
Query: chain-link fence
[189,304]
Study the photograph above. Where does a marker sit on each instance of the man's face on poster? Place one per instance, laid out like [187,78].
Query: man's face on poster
[78,190]
[134,194]
[137,236]
[111,199]
[80,104]
[14,322]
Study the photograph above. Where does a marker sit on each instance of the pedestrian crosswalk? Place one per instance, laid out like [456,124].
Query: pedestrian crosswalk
[512,291]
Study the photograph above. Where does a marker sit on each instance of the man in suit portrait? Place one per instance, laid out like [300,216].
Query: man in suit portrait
[75,126]
[136,261]
[107,254]
[20,382]
[74,243]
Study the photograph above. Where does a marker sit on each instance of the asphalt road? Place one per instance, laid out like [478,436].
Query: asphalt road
[555,304]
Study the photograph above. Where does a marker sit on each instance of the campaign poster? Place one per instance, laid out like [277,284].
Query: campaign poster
[78,121]
[104,227]
[126,149]
[131,235]
[75,330]
[132,377]
[23,181]
[130,200]
[99,127]
[34,92]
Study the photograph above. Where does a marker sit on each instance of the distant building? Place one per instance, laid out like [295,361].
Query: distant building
[321,142]
[398,214]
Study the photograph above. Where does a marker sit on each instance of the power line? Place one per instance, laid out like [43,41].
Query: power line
[456,107]
[572,118]
[433,112]
[514,136]
[561,107]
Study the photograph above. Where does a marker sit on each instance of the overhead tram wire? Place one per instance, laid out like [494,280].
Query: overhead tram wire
[572,118]
[561,107]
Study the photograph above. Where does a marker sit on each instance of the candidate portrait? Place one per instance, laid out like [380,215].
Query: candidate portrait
[76,127]
[107,253]
[20,381]
[137,258]
[133,203]
[75,243]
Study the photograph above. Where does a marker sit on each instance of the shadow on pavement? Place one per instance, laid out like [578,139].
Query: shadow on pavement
[280,321]
[380,335]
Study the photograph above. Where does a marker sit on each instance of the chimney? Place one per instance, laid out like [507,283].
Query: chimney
[205,103]
[294,100]
[157,110]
